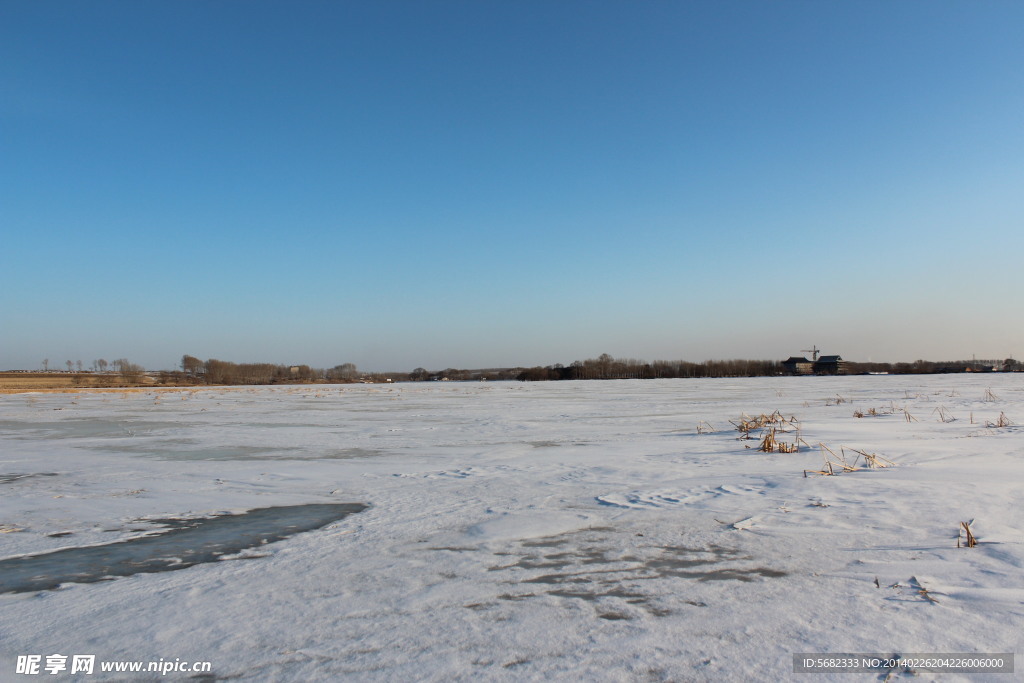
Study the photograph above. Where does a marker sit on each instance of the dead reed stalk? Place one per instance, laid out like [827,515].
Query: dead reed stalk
[832,464]
[965,529]
[873,460]
[1003,421]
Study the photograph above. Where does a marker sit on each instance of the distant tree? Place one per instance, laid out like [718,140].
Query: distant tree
[130,372]
[191,365]
[419,375]
[344,372]
[69,364]
[455,374]
[102,365]
[46,365]
[217,371]
[78,364]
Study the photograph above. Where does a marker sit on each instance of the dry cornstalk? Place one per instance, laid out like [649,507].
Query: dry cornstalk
[873,460]
[838,459]
[704,428]
[916,584]
[965,528]
[748,424]
[1003,421]
[770,444]
[831,464]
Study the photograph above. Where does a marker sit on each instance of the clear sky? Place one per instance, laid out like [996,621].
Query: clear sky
[480,184]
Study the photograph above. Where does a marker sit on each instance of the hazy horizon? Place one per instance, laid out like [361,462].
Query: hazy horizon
[456,184]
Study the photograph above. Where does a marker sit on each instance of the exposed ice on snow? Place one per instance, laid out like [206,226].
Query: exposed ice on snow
[185,543]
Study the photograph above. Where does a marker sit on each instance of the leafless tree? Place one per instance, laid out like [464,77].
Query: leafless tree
[346,372]
[191,365]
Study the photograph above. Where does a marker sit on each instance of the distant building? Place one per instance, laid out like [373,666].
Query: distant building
[830,365]
[825,365]
[795,365]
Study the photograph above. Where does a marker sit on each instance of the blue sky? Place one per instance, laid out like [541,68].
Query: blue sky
[478,184]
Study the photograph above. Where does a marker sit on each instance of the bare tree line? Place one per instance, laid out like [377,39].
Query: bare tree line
[605,367]
[103,372]
[215,371]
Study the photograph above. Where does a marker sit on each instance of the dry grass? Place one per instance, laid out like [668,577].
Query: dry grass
[890,409]
[770,444]
[21,382]
[748,424]
[770,424]
[125,391]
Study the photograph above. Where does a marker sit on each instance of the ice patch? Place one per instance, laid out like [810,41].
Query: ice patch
[188,542]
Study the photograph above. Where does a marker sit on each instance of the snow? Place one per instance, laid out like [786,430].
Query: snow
[556,531]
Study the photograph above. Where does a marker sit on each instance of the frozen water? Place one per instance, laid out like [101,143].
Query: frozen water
[187,542]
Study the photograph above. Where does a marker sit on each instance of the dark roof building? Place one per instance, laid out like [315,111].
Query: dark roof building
[797,365]
[830,365]
[825,365]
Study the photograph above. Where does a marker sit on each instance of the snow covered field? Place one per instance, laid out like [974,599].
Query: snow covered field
[549,531]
